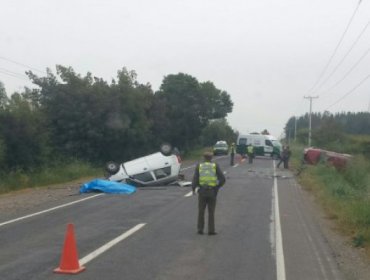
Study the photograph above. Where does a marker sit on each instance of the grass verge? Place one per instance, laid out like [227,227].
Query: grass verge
[345,195]
[60,173]
[196,154]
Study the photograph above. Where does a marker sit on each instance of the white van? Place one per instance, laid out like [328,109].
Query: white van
[264,145]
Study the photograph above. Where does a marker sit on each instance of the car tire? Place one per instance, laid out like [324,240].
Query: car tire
[112,167]
[166,149]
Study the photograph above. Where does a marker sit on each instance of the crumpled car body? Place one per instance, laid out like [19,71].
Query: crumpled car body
[155,169]
[315,155]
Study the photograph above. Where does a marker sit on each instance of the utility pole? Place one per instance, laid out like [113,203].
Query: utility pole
[309,126]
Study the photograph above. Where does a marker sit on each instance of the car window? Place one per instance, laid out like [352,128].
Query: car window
[276,143]
[221,146]
[243,141]
[162,172]
[268,143]
[143,177]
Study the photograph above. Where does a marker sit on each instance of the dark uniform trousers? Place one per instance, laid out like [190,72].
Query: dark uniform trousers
[207,197]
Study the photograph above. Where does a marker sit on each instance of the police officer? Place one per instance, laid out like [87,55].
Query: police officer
[208,178]
[232,154]
[250,152]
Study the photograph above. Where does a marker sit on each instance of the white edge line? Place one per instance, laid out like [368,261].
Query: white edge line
[185,168]
[280,263]
[110,244]
[48,210]
[189,194]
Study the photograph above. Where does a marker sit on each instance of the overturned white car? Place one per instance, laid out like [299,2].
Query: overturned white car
[160,168]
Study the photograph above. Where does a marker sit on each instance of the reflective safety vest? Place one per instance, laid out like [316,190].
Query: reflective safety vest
[250,149]
[207,174]
[232,149]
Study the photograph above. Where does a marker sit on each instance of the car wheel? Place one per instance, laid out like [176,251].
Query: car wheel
[112,167]
[166,149]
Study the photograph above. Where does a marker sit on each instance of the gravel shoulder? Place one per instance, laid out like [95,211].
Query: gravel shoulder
[25,201]
[353,262]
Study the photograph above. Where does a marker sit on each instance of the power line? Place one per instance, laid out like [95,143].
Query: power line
[13,75]
[348,72]
[349,92]
[344,57]
[336,49]
[21,64]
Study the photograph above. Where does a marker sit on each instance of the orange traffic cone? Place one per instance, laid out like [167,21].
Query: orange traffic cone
[69,263]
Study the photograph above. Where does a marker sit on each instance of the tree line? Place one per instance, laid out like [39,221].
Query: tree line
[69,116]
[343,132]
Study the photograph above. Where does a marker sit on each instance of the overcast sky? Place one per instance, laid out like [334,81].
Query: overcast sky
[267,54]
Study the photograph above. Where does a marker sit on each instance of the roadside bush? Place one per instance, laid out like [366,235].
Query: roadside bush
[359,144]
[335,184]
[360,213]
[54,174]
[357,174]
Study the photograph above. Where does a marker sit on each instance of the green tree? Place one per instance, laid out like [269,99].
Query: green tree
[181,95]
[188,106]
[218,130]
[329,135]
[218,103]
[3,97]
[3,103]
[92,120]
[24,137]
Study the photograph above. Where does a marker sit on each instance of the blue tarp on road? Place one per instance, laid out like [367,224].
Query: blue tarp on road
[99,185]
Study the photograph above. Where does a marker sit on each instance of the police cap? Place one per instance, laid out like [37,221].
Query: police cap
[208,155]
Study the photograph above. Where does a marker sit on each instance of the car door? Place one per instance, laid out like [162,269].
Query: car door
[268,146]
[159,165]
[139,170]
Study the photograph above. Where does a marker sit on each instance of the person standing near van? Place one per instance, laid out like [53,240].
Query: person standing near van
[208,178]
[283,157]
[232,154]
[250,152]
[288,153]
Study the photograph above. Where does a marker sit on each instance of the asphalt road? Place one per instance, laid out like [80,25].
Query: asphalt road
[265,227]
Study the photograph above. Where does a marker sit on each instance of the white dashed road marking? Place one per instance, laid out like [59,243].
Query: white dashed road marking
[48,210]
[110,244]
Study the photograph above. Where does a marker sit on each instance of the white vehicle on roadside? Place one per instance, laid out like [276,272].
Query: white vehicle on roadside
[160,168]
